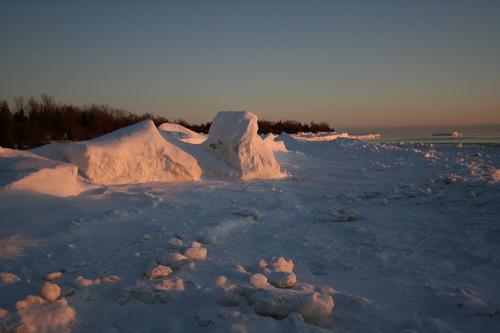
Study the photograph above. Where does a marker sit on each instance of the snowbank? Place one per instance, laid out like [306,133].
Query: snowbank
[135,154]
[233,139]
[142,153]
[25,171]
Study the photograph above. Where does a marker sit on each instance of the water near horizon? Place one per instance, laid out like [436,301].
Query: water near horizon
[471,134]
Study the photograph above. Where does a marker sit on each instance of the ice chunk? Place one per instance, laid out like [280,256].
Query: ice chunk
[175,244]
[171,259]
[233,139]
[196,253]
[280,264]
[220,281]
[52,276]
[282,279]
[80,282]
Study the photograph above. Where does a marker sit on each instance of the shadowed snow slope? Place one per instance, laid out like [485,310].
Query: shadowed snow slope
[134,154]
[233,139]
[24,171]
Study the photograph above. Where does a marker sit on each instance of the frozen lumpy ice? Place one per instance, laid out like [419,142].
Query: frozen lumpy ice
[277,270]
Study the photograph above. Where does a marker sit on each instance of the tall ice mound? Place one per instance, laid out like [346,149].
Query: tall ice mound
[233,139]
[134,154]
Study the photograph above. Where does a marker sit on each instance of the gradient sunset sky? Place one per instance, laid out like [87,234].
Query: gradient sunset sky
[350,63]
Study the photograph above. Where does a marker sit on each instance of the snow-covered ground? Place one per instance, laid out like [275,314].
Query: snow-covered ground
[397,238]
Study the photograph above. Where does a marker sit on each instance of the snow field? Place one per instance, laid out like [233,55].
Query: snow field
[421,254]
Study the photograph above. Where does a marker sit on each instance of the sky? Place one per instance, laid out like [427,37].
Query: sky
[350,63]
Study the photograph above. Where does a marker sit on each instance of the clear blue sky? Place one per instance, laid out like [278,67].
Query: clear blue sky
[351,63]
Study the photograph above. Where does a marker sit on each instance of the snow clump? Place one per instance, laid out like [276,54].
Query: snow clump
[44,313]
[278,271]
[196,252]
[273,291]
[50,292]
[155,271]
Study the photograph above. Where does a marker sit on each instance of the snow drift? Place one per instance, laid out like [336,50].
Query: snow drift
[233,139]
[25,171]
[135,154]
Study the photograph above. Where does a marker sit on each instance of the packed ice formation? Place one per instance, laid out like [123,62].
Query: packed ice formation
[233,139]
[143,153]
[135,154]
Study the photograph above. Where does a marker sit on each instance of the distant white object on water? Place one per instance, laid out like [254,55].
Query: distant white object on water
[447,134]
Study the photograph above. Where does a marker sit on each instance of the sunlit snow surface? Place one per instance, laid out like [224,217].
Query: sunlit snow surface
[400,237]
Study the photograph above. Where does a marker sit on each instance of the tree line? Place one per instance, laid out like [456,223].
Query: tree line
[37,122]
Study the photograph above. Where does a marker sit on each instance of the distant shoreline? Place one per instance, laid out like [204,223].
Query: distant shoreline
[487,130]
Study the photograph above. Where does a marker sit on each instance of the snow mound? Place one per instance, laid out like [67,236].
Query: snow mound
[313,307]
[35,314]
[270,297]
[181,133]
[25,171]
[134,154]
[233,139]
